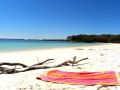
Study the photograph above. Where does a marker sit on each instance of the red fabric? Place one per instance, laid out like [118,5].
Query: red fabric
[82,78]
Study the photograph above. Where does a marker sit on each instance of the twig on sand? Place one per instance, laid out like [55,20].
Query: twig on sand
[40,65]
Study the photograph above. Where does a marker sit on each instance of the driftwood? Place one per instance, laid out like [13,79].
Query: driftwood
[40,65]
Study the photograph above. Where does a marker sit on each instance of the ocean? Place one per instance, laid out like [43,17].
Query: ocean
[18,45]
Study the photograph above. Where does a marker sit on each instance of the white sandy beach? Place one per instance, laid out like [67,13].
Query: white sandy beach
[100,58]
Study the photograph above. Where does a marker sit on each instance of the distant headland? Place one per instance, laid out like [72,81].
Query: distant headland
[89,38]
[105,38]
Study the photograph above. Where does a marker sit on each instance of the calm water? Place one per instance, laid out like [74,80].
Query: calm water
[15,45]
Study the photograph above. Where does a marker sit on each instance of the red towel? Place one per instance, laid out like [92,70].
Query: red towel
[82,78]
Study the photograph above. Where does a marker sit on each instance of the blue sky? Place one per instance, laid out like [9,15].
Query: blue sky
[58,18]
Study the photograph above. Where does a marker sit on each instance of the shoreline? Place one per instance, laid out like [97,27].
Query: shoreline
[52,48]
[31,56]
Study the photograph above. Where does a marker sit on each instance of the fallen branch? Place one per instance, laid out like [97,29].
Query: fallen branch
[42,62]
[6,70]
[13,64]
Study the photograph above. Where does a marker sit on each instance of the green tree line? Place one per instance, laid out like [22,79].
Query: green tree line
[106,38]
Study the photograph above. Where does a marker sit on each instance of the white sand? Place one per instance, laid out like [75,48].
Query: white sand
[100,58]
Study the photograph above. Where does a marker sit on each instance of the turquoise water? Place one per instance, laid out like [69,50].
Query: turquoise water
[16,45]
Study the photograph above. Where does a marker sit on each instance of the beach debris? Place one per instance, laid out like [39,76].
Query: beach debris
[91,49]
[4,69]
[105,49]
[79,49]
